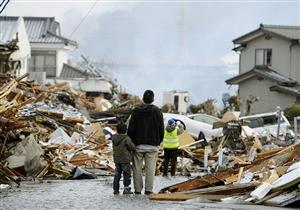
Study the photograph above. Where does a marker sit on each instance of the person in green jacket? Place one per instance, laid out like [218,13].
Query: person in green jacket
[122,149]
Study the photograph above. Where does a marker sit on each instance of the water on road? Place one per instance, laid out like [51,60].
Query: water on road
[95,194]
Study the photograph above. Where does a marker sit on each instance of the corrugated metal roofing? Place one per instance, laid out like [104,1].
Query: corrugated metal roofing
[274,75]
[290,32]
[7,30]
[72,72]
[289,90]
[263,71]
[40,29]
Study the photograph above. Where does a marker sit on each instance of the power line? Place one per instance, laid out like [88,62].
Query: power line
[83,19]
[4,5]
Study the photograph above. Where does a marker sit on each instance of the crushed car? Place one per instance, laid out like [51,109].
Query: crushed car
[199,129]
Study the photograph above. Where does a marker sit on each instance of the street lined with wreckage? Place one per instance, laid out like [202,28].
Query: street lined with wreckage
[47,138]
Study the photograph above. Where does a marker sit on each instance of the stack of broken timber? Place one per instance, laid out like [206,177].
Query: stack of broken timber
[42,136]
[272,178]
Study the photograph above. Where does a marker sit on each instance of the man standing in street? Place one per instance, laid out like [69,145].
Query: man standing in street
[146,129]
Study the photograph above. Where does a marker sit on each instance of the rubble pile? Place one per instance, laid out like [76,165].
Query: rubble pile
[241,167]
[43,134]
[119,107]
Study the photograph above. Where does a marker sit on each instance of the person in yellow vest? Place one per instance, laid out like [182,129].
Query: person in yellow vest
[171,144]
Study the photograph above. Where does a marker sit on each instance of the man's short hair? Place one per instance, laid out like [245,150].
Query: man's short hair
[121,128]
[148,97]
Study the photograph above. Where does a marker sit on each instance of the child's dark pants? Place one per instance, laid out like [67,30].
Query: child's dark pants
[126,169]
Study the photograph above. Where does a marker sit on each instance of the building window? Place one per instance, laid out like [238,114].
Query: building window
[263,57]
[43,61]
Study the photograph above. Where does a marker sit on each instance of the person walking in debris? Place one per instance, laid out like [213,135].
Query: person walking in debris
[171,144]
[146,129]
[122,149]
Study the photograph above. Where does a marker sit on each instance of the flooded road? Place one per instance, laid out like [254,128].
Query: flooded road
[95,194]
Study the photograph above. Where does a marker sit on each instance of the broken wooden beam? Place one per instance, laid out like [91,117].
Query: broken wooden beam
[201,182]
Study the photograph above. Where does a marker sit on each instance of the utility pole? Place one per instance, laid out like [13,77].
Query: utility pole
[279,111]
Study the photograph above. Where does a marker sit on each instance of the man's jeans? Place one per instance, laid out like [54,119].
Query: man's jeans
[126,169]
[150,166]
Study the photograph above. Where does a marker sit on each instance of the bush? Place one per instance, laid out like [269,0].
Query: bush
[292,111]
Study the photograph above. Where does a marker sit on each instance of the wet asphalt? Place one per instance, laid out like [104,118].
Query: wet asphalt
[97,194]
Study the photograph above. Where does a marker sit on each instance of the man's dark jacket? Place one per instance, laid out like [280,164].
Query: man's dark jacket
[122,148]
[146,125]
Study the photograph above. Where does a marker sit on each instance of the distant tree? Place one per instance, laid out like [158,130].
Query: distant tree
[168,108]
[207,107]
[234,102]
[292,111]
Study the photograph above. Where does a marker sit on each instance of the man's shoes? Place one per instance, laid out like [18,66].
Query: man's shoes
[137,193]
[148,192]
[116,192]
[127,191]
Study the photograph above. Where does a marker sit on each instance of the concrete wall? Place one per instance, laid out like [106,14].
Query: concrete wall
[295,62]
[268,101]
[61,58]
[280,54]
[23,54]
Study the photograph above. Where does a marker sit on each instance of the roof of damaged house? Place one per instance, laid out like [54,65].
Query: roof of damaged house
[265,72]
[69,71]
[39,29]
[7,30]
[84,80]
[287,32]
[295,91]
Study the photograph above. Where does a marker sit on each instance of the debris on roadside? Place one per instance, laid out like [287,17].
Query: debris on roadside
[44,132]
[241,166]
[55,131]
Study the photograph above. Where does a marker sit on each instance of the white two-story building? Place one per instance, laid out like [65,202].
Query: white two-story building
[43,53]
[47,50]
[269,67]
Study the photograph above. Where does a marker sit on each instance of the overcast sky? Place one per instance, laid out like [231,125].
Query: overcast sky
[161,32]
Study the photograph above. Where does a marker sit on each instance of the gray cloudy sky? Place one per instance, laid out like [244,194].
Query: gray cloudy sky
[162,32]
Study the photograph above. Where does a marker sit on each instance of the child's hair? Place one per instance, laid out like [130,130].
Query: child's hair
[121,128]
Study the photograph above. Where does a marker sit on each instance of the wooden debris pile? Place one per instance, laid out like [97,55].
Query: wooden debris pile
[43,134]
[272,178]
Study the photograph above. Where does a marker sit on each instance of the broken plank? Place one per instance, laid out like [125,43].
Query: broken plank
[240,174]
[215,193]
[171,197]
[59,171]
[201,182]
[44,171]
